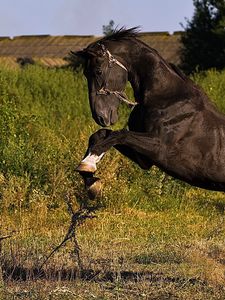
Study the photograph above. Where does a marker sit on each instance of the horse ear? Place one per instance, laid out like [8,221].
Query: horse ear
[83,53]
[78,53]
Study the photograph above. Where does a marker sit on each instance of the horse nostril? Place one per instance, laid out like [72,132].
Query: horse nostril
[103,121]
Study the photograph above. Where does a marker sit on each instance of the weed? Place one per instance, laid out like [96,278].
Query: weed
[149,223]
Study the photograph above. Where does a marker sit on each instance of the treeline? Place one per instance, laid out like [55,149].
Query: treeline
[204,37]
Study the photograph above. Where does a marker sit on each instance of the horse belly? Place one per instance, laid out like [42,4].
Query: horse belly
[196,176]
[202,169]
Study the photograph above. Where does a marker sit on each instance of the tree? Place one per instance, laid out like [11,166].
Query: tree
[108,29]
[204,37]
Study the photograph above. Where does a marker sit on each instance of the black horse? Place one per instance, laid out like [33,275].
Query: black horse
[173,126]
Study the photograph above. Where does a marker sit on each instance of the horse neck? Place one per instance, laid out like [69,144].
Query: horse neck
[149,75]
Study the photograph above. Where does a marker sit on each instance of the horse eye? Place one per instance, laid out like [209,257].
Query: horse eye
[99,72]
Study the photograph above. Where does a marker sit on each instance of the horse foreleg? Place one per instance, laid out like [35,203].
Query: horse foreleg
[87,166]
[143,161]
[145,145]
[124,141]
[140,147]
[92,184]
[88,163]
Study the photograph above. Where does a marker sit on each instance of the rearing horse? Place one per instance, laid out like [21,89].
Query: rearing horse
[173,126]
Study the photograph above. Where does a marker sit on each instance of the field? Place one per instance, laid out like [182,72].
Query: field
[152,237]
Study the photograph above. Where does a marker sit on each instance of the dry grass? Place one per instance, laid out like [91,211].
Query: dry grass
[107,290]
[153,238]
[127,252]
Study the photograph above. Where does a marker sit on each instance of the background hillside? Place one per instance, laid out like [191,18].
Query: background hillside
[51,50]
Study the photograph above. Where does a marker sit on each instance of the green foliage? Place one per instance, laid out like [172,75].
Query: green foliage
[204,37]
[150,222]
[45,123]
[42,115]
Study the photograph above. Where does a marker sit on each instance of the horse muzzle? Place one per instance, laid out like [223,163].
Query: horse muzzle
[106,119]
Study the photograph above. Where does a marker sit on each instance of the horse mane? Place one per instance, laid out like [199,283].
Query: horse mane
[178,72]
[133,33]
[122,34]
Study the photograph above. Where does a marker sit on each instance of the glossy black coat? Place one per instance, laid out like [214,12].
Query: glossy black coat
[174,126]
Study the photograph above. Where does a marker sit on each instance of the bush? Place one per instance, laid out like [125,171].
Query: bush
[204,37]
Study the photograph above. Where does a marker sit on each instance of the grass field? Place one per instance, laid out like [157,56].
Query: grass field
[153,237]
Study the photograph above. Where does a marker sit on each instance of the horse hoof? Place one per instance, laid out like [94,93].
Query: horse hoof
[93,186]
[87,168]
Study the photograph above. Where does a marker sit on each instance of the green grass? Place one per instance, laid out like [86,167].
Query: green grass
[148,222]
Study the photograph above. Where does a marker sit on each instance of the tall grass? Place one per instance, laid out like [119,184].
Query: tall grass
[149,221]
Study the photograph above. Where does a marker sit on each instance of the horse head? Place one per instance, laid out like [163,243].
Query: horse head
[107,76]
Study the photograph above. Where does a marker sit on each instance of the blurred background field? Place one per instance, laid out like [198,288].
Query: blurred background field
[166,233]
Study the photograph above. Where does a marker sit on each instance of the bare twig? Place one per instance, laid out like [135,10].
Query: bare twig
[5,237]
[11,234]
[77,218]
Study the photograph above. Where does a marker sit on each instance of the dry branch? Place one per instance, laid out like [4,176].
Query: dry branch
[77,218]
